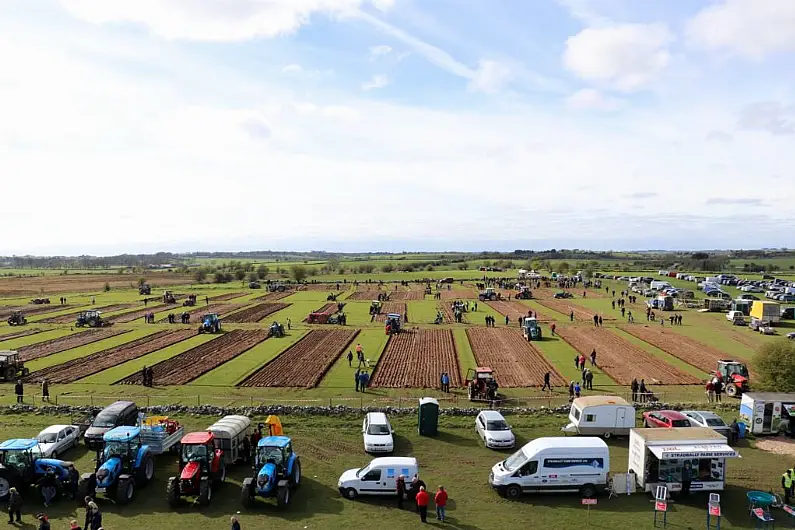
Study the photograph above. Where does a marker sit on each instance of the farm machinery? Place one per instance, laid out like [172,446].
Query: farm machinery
[91,319]
[201,469]
[563,295]
[530,329]
[375,307]
[276,288]
[145,289]
[489,294]
[278,472]
[524,293]
[734,376]
[126,460]
[190,301]
[168,298]
[11,368]
[210,324]
[39,301]
[481,384]
[276,330]
[17,318]
[21,466]
[392,324]
[254,285]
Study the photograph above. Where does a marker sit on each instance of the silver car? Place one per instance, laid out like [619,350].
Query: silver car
[705,418]
[55,440]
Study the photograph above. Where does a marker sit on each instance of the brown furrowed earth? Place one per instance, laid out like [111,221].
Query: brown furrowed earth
[255,313]
[272,297]
[416,358]
[692,352]
[197,361]
[515,361]
[96,362]
[227,296]
[391,307]
[19,334]
[565,308]
[514,310]
[365,295]
[29,310]
[73,283]
[70,317]
[449,314]
[198,311]
[458,294]
[135,315]
[304,363]
[50,347]
[622,360]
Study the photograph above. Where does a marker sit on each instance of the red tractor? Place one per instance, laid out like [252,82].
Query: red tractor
[734,376]
[201,469]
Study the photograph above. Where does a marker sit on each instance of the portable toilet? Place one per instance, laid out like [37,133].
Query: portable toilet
[428,424]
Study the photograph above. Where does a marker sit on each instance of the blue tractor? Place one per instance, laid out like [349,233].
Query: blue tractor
[530,329]
[278,472]
[21,466]
[123,464]
[210,324]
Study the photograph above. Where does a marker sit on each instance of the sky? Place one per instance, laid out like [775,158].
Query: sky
[391,125]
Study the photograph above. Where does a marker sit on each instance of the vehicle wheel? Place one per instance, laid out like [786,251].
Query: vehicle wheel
[513,491]
[731,390]
[5,485]
[283,497]
[247,493]
[607,435]
[205,492]
[172,492]
[351,493]
[85,488]
[295,480]
[125,491]
[146,472]
[588,491]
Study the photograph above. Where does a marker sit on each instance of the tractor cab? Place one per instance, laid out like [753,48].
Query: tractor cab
[17,318]
[489,294]
[276,330]
[201,469]
[121,443]
[481,383]
[375,307]
[91,318]
[734,376]
[190,301]
[11,368]
[392,324]
[168,298]
[210,324]
[278,471]
[530,329]
[524,293]
[20,465]
[145,289]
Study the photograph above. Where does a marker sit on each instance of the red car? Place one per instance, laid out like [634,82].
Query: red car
[665,419]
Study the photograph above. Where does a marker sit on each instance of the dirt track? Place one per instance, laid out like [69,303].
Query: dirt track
[391,307]
[416,359]
[50,347]
[70,317]
[255,313]
[515,361]
[197,361]
[19,334]
[688,350]
[272,297]
[622,360]
[96,362]
[304,363]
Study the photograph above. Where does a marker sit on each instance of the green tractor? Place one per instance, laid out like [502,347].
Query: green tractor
[488,294]
[91,319]
[17,318]
[11,368]
[210,324]
[530,329]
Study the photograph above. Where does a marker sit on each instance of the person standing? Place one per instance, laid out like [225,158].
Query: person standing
[440,500]
[234,524]
[642,390]
[401,491]
[589,380]
[45,390]
[87,519]
[786,485]
[709,389]
[356,378]
[19,390]
[74,478]
[552,327]
[547,384]
[571,316]
[44,521]
[734,432]
[289,324]
[350,358]
[143,376]
[364,380]
[14,506]
[687,477]
[593,357]
[576,390]
[571,390]
[718,390]
[422,499]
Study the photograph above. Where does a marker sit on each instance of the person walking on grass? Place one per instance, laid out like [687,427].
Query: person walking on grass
[364,380]
[422,499]
[14,506]
[401,491]
[440,500]
[19,390]
[356,378]
[45,390]
[350,358]
[718,390]
[547,384]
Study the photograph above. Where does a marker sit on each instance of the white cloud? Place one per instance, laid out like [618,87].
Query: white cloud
[588,98]
[626,57]
[293,68]
[750,28]
[228,21]
[380,51]
[377,81]
[490,77]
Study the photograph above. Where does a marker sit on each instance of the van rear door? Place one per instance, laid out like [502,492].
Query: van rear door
[621,416]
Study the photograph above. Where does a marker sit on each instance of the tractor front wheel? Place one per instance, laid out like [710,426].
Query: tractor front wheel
[247,493]
[125,491]
[295,479]
[85,488]
[146,471]
[205,491]
[283,497]
[172,492]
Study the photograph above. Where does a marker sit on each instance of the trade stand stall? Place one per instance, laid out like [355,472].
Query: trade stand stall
[768,412]
[658,457]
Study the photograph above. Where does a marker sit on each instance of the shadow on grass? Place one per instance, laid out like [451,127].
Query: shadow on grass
[456,439]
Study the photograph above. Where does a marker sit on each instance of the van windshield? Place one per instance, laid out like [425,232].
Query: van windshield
[515,461]
[105,420]
[362,472]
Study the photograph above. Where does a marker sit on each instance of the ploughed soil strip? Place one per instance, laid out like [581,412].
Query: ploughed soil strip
[416,358]
[135,315]
[515,361]
[391,307]
[70,317]
[19,334]
[227,296]
[272,297]
[198,311]
[366,295]
[457,294]
[197,361]
[102,360]
[448,314]
[52,346]
[304,363]
[691,351]
[565,308]
[514,310]
[29,310]
[622,360]
[255,313]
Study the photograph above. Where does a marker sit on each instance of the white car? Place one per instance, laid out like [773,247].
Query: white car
[494,430]
[767,330]
[377,433]
[55,440]
[705,418]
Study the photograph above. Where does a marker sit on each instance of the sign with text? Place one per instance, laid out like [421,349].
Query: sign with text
[714,510]
[661,506]
[589,501]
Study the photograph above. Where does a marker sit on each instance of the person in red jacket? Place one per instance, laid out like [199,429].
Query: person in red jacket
[422,504]
[440,499]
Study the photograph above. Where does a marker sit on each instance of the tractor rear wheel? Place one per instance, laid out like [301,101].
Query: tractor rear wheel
[125,491]
[283,496]
[732,390]
[205,491]
[295,478]
[172,492]
[146,471]
[247,493]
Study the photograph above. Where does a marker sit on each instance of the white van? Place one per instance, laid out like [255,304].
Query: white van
[600,416]
[555,464]
[379,477]
[377,433]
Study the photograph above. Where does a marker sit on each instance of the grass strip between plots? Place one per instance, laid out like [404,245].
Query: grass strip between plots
[340,375]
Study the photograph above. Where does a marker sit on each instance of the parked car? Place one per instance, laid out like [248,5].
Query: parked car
[494,430]
[767,329]
[705,418]
[377,433]
[791,336]
[120,413]
[736,318]
[665,419]
[748,297]
[55,440]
